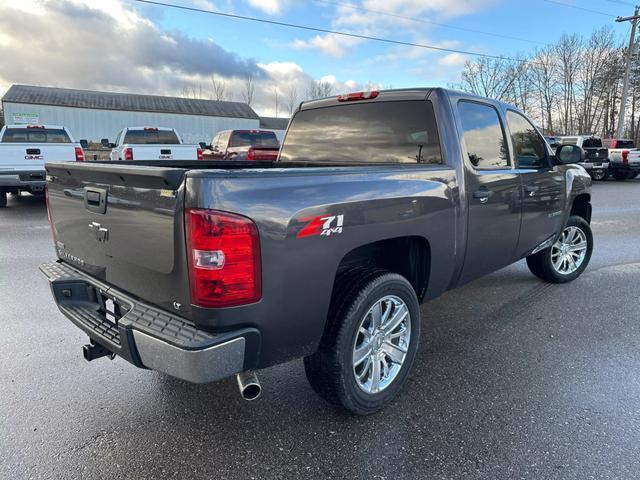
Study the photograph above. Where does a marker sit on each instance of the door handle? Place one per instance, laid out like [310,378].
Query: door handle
[483,194]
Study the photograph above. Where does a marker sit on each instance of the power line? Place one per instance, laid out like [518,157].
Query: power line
[555,2]
[424,21]
[324,30]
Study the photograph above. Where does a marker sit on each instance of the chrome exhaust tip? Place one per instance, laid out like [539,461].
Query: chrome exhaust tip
[249,385]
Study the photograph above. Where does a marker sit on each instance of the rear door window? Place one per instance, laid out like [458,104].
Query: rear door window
[359,133]
[142,137]
[483,136]
[529,148]
[35,135]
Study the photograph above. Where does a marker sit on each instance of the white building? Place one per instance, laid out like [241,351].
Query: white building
[97,115]
[278,125]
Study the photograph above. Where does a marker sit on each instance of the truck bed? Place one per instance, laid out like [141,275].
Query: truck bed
[144,252]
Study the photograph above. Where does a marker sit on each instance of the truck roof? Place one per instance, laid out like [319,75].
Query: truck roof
[55,127]
[163,129]
[419,93]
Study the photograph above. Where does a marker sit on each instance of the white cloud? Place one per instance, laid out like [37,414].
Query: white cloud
[272,7]
[453,60]
[330,79]
[388,19]
[333,45]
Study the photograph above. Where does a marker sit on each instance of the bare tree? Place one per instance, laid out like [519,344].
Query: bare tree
[292,99]
[219,86]
[249,89]
[319,89]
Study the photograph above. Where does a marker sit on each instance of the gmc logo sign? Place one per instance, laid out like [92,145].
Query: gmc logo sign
[34,157]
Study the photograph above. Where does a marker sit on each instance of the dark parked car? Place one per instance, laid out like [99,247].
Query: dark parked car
[379,202]
[243,145]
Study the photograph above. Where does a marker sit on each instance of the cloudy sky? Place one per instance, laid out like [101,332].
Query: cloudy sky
[128,46]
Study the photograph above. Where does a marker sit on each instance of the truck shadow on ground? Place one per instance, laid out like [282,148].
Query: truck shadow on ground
[493,385]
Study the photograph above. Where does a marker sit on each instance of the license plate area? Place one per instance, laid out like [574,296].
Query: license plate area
[79,294]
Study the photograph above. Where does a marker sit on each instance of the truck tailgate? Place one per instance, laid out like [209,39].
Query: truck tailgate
[32,156]
[123,225]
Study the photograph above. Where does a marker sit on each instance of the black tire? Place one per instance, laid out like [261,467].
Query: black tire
[3,199]
[598,175]
[620,175]
[330,370]
[540,263]
[633,175]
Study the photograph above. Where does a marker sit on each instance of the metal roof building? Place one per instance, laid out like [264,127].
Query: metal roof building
[278,125]
[95,115]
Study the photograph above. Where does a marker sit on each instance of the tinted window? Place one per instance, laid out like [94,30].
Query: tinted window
[381,132]
[254,139]
[529,148]
[592,143]
[483,136]
[35,135]
[141,137]
[625,144]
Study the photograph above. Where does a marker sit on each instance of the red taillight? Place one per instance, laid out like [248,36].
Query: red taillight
[224,258]
[613,143]
[625,156]
[128,153]
[199,153]
[150,129]
[350,97]
[35,126]
[79,154]
[251,154]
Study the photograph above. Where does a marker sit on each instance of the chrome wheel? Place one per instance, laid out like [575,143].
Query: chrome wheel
[569,251]
[381,344]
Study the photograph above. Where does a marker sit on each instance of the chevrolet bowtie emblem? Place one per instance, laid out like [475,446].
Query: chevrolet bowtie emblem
[100,233]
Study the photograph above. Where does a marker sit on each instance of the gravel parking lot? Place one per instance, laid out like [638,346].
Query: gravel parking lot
[514,379]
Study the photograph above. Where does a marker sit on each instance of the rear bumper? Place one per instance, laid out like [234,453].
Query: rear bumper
[595,165]
[147,336]
[628,167]
[22,179]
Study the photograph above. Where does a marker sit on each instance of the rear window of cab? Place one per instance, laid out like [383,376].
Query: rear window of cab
[375,132]
[35,135]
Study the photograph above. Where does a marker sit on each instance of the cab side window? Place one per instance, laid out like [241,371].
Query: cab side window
[483,136]
[529,147]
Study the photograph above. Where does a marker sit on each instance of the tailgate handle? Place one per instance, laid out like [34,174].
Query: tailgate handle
[33,151]
[95,199]
[165,151]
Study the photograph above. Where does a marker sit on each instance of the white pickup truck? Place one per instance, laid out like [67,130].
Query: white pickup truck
[624,159]
[152,143]
[23,151]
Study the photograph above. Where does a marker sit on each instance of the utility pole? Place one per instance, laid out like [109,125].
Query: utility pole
[625,85]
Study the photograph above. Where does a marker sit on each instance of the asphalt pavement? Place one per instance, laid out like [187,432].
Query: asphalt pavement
[514,379]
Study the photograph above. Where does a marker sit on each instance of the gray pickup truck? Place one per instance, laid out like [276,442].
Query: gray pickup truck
[378,202]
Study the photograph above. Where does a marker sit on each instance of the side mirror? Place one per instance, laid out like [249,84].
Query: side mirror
[567,154]
[111,145]
[104,142]
[84,144]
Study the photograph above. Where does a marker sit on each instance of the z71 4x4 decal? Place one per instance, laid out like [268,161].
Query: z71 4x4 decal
[321,225]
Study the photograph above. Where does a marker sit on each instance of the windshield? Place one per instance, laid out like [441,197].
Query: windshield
[380,132]
[143,137]
[254,139]
[35,135]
